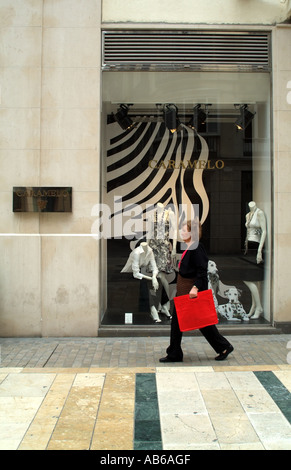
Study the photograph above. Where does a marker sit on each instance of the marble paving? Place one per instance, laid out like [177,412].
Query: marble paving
[151,408]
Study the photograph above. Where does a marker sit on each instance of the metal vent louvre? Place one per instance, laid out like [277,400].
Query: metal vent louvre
[162,50]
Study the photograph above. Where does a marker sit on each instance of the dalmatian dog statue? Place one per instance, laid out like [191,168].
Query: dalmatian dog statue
[233,310]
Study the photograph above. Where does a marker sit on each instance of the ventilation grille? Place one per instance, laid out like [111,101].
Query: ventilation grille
[165,50]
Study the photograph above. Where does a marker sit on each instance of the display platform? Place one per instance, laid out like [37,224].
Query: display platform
[128,298]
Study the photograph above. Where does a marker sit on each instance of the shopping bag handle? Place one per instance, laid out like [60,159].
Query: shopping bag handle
[193,298]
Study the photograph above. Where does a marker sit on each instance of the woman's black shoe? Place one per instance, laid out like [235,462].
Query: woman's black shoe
[168,359]
[223,355]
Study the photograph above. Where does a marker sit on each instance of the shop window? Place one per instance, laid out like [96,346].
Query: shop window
[151,174]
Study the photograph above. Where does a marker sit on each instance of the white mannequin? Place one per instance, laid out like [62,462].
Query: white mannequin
[256,232]
[143,256]
[164,216]
[256,228]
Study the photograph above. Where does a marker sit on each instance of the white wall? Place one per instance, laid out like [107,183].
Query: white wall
[49,136]
[195,11]
[282,172]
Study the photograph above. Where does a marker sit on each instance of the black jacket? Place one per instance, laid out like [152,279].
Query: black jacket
[194,266]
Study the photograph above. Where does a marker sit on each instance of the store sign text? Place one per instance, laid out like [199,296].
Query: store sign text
[196,165]
[42,199]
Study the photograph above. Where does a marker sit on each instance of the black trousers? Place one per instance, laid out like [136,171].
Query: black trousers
[210,333]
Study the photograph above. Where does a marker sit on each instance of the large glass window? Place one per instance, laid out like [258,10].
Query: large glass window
[153,177]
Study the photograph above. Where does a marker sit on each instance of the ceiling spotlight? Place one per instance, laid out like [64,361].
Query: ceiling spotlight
[245,117]
[198,118]
[122,118]
[171,118]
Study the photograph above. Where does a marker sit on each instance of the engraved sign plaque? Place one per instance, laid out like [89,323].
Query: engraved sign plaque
[42,199]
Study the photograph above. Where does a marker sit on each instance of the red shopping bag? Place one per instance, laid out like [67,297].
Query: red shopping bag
[196,313]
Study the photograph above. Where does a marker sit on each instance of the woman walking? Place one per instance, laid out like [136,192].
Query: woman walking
[192,278]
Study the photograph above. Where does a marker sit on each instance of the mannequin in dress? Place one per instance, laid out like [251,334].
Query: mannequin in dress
[161,227]
[143,257]
[256,228]
[256,235]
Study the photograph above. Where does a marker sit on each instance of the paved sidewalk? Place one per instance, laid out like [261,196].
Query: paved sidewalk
[112,394]
[137,351]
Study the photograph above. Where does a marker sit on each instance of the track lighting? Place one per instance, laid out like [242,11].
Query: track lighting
[168,112]
[122,118]
[198,118]
[245,117]
[171,118]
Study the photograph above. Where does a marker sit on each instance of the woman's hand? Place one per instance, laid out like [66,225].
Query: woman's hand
[259,257]
[155,283]
[193,292]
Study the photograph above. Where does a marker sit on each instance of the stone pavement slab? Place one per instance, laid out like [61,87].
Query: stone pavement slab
[112,394]
[151,409]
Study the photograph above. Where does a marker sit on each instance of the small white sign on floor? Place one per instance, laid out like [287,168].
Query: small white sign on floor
[128,318]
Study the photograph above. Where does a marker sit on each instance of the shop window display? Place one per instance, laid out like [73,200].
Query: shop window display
[154,179]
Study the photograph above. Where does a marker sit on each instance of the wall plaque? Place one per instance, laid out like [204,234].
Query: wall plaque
[42,199]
